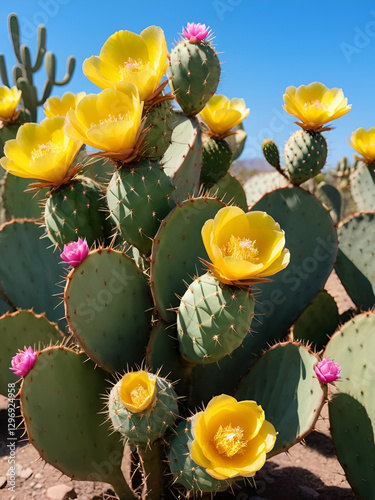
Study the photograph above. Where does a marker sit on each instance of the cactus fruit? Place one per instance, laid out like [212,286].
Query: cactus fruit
[352,409]
[217,158]
[212,320]
[357,273]
[76,210]
[138,199]
[150,424]
[282,381]
[106,282]
[271,153]
[185,471]
[193,75]
[305,155]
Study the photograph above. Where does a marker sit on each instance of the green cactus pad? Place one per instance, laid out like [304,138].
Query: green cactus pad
[283,382]
[163,356]
[62,406]
[176,251]
[76,210]
[212,320]
[355,270]
[318,322]
[237,141]
[17,202]
[138,199]
[352,410]
[29,270]
[260,184]
[108,308]
[217,158]
[185,471]
[193,74]
[305,155]
[183,159]
[271,153]
[230,191]
[362,187]
[161,121]
[330,196]
[18,330]
[151,424]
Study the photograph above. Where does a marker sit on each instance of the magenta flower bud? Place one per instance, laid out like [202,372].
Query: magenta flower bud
[23,361]
[75,252]
[327,371]
[195,32]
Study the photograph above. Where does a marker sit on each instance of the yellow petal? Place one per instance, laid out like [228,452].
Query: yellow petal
[277,265]
[91,70]
[198,456]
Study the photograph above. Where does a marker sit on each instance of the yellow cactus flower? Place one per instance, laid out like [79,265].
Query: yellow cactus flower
[109,121]
[9,100]
[59,106]
[315,105]
[128,57]
[244,247]
[363,141]
[41,151]
[138,391]
[232,438]
[222,114]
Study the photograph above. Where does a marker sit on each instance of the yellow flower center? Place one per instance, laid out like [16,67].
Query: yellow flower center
[313,104]
[241,248]
[229,440]
[43,149]
[112,118]
[138,395]
[132,66]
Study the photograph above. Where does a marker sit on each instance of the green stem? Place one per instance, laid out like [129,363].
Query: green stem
[121,487]
[153,470]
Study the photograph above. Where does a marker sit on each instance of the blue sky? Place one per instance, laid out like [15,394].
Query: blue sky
[265,46]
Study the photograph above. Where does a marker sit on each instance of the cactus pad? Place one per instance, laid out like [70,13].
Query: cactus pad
[230,191]
[352,410]
[160,119]
[217,158]
[107,282]
[17,202]
[356,272]
[330,196]
[212,320]
[18,330]
[260,184]
[177,247]
[362,187]
[61,402]
[283,382]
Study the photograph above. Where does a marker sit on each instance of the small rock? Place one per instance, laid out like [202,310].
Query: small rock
[3,481]
[25,473]
[38,475]
[38,486]
[308,493]
[61,492]
[32,484]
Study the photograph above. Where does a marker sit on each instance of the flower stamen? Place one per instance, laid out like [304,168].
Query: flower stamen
[138,395]
[241,248]
[132,66]
[229,441]
[43,149]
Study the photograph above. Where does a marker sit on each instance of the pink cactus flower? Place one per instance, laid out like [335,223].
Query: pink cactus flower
[327,371]
[195,32]
[23,361]
[75,252]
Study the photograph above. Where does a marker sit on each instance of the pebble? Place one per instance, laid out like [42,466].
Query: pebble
[25,473]
[3,482]
[61,492]
[38,475]
[38,486]
[307,492]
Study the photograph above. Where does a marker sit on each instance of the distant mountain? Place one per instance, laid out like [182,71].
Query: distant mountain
[243,169]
